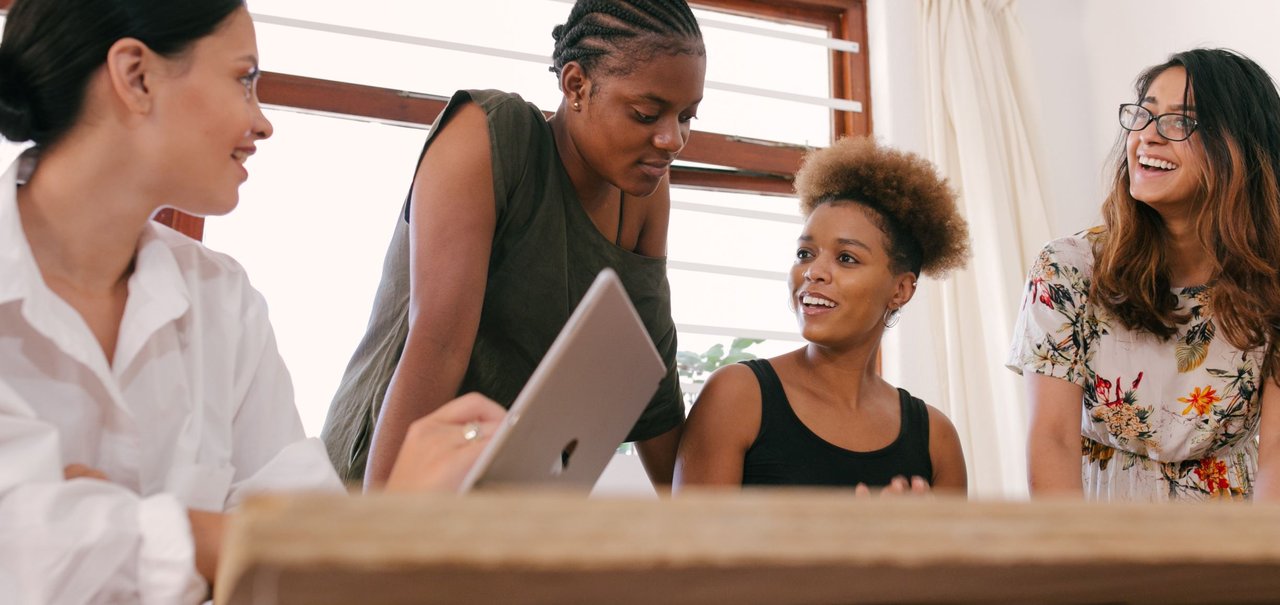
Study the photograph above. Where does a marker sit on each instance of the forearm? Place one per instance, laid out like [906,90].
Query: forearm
[658,454]
[1053,467]
[427,377]
[206,532]
[1053,441]
[1267,486]
[401,409]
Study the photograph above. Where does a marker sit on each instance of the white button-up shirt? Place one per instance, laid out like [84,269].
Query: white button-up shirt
[195,411]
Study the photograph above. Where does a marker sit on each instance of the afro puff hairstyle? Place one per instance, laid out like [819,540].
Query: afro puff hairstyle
[908,201]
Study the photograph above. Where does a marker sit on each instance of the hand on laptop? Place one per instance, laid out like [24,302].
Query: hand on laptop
[440,447]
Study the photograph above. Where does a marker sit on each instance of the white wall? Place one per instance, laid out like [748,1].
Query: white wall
[1075,130]
[1087,54]
[897,110]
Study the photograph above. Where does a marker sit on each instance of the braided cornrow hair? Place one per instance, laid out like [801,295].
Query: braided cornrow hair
[636,29]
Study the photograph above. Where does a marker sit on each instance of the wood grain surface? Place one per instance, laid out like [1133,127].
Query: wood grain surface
[754,547]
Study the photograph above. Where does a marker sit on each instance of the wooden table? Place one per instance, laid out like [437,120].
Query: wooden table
[755,547]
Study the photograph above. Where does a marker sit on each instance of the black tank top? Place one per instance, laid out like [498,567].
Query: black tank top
[786,452]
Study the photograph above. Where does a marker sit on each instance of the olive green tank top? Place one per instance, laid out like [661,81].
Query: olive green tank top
[546,253]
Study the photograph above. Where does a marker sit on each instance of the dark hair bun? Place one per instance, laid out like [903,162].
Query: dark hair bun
[15,104]
[52,48]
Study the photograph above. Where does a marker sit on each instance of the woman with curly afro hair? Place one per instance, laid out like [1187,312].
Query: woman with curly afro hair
[876,218]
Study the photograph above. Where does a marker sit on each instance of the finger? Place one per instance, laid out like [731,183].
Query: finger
[861,490]
[488,430]
[897,485]
[80,471]
[484,432]
[919,485]
[472,407]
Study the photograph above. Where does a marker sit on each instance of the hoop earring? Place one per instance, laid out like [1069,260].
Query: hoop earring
[891,317]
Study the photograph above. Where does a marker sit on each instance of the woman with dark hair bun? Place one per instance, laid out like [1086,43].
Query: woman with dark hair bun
[510,217]
[875,219]
[1149,344]
[141,393]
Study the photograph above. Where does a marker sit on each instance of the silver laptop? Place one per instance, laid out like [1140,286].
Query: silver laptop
[580,402]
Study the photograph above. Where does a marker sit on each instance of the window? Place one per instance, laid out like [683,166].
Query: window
[335,78]
[316,215]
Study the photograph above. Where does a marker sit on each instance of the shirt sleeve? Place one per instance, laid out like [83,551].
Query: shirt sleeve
[83,540]
[270,451]
[1054,329]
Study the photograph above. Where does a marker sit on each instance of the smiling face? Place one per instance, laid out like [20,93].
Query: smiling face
[208,119]
[1162,173]
[842,282]
[630,127]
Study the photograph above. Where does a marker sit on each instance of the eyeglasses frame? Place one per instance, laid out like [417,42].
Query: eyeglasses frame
[1151,117]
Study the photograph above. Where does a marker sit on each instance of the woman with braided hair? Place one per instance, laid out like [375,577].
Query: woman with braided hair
[875,219]
[509,218]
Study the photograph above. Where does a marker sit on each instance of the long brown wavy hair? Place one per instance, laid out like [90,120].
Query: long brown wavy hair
[1237,212]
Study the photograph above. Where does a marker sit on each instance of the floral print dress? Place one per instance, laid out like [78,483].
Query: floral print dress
[1162,420]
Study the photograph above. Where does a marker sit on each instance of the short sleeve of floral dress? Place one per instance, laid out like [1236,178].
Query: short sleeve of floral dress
[1161,419]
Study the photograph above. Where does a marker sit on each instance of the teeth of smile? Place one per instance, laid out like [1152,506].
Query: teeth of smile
[814,300]
[1154,163]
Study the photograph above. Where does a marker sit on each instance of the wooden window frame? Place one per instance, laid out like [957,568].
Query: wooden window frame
[751,165]
[843,20]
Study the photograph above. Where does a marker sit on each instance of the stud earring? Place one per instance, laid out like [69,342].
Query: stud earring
[577,106]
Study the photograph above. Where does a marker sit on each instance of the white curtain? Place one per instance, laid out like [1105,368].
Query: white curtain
[980,132]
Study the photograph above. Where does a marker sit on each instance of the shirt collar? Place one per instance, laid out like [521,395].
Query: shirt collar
[17,263]
[158,293]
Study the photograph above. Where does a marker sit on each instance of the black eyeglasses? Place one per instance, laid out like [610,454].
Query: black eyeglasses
[1172,126]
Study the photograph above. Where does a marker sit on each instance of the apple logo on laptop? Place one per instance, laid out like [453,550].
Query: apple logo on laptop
[562,463]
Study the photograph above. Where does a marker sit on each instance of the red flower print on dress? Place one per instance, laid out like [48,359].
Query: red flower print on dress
[1119,396]
[1040,291]
[1213,473]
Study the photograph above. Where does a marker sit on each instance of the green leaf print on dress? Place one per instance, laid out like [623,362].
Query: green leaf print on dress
[1192,349]
[1046,288]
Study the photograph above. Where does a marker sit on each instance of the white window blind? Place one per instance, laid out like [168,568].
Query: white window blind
[778,72]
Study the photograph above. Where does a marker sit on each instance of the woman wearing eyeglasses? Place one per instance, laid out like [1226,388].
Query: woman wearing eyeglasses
[1148,343]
